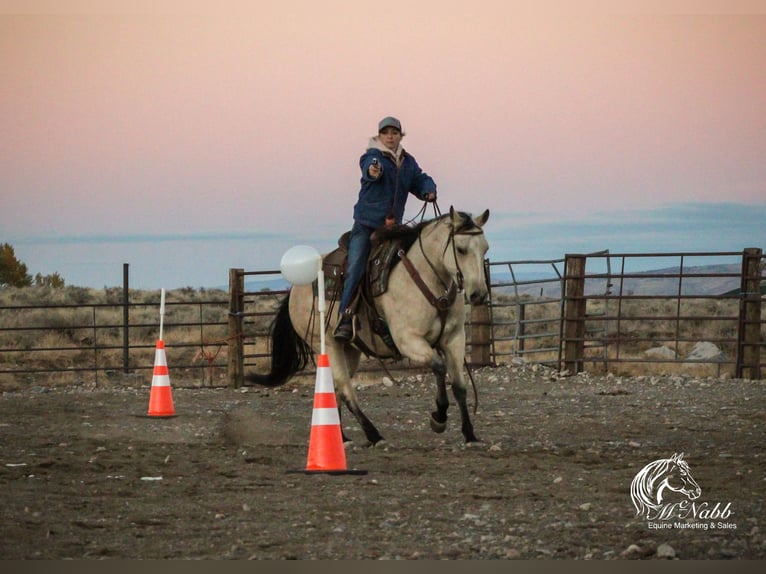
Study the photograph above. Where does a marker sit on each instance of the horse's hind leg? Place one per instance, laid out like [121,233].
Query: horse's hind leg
[347,365]
[370,432]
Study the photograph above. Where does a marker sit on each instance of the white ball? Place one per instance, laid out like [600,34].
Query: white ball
[300,264]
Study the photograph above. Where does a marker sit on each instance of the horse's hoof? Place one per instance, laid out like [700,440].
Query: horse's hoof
[475,443]
[438,427]
[382,444]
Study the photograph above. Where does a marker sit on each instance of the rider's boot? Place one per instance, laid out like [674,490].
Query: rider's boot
[344,332]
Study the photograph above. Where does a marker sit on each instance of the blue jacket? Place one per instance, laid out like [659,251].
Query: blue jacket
[387,195]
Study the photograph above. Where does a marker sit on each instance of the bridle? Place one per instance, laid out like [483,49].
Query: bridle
[445,301]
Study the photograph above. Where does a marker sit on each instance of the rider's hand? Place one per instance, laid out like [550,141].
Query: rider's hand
[430,197]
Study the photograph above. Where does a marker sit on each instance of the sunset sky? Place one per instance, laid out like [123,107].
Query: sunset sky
[187,141]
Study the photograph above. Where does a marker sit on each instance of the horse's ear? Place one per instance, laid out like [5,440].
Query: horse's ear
[454,215]
[482,219]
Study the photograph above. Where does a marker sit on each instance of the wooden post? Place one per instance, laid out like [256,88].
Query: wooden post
[480,335]
[235,352]
[574,313]
[481,328]
[749,334]
[125,318]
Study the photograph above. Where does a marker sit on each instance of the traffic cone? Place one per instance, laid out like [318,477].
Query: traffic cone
[326,451]
[161,397]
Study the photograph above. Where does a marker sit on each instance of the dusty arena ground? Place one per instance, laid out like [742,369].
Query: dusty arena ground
[85,474]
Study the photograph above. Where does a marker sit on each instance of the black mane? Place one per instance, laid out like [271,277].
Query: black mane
[404,234]
[407,234]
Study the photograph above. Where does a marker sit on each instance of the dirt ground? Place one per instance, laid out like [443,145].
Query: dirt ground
[84,473]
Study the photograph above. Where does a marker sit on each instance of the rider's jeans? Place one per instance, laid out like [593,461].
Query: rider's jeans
[358,250]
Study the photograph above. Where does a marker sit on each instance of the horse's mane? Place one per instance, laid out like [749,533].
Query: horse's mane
[405,235]
[408,234]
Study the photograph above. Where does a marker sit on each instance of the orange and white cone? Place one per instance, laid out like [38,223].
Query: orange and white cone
[326,451]
[161,397]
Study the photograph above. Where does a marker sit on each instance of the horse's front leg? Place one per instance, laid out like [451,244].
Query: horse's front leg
[459,390]
[418,350]
[454,355]
[439,416]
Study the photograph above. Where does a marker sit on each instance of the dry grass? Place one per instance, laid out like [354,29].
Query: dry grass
[643,325]
[63,336]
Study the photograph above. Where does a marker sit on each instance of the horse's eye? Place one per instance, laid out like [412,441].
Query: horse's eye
[462,251]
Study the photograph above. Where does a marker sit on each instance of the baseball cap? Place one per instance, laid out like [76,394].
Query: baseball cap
[389,122]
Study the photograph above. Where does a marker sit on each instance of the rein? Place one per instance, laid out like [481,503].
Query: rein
[441,304]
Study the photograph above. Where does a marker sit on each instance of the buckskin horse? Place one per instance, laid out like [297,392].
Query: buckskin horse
[437,270]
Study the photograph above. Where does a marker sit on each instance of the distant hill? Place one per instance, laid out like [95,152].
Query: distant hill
[277,284]
[650,282]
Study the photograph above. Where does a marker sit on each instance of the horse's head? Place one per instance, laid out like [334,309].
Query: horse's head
[678,478]
[469,247]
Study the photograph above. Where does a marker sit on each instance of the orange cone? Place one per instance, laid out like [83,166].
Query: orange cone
[161,398]
[326,451]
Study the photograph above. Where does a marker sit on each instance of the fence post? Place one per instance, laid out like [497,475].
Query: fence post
[481,327]
[235,352]
[480,335]
[574,313]
[125,318]
[749,333]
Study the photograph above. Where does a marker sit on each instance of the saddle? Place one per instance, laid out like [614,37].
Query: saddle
[383,256]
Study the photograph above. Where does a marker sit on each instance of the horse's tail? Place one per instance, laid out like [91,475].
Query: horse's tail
[289,352]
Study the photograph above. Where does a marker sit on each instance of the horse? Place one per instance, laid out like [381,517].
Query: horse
[440,266]
[648,486]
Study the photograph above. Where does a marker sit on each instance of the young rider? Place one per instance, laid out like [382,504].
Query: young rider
[389,175]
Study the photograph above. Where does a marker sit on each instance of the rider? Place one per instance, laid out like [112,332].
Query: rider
[389,175]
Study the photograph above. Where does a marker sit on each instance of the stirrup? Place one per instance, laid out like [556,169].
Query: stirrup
[345,329]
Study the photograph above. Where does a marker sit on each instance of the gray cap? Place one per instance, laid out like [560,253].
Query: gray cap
[389,122]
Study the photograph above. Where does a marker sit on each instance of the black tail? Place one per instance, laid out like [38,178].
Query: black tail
[289,353]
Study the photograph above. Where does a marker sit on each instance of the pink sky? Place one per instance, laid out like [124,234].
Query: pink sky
[222,120]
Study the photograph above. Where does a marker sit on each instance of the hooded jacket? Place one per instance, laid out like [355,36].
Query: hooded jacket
[387,195]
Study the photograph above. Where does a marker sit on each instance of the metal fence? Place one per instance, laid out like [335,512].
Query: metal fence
[594,311]
[105,339]
[599,310]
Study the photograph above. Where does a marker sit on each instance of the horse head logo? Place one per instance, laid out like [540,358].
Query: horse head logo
[649,485]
